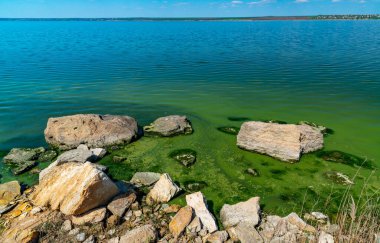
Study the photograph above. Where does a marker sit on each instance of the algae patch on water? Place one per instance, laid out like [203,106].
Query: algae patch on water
[345,158]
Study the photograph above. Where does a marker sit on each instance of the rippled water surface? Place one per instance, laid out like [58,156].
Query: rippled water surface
[326,72]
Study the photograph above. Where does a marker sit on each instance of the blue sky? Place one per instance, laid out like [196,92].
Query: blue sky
[182,8]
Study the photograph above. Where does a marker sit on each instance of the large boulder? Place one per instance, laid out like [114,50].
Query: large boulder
[164,190]
[242,212]
[92,130]
[169,126]
[74,188]
[8,192]
[198,202]
[286,142]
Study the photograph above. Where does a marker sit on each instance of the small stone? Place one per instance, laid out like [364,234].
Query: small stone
[138,213]
[36,210]
[146,233]
[99,152]
[111,231]
[174,208]
[325,238]
[245,233]
[112,221]
[252,172]
[90,239]
[186,157]
[164,190]
[145,178]
[121,203]
[118,159]
[93,217]
[114,240]
[8,192]
[203,232]
[178,224]
[67,225]
[195,226]
[81,237]
[74,231]
[217,237]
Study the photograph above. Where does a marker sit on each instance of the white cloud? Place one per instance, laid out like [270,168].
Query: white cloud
[301,1]
[336,1]
[260,2]
[236,2]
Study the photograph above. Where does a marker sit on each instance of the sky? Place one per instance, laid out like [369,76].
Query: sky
[181,8]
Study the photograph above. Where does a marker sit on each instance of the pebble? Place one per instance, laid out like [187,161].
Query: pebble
[81,237]
[74,231]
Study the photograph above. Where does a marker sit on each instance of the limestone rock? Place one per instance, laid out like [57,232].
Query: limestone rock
[243,212]
[182,219]
[47,156]
[294,219]
[145,178]
[93,130]
[20,155]
[23,167]
[74,188]
[24,229]
[245,233]
[8,192]
[67,225]
[92,217]
[81,155]
[146,233]
[169,126]
[218,237]
[325,238]
[198,202]
[195,226]
[121,203]
[286,142]
[164,190]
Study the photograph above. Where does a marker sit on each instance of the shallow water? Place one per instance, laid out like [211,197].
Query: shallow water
[327,72]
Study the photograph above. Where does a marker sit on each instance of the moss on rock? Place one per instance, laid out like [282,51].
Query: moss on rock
[186,157]
[229,130]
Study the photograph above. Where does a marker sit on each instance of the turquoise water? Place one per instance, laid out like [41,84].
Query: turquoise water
[326,72]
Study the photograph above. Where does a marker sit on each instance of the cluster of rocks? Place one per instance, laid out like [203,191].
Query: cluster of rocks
[89,211]
[75,199]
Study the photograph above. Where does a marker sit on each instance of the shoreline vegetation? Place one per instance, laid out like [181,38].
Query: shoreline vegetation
[77,200]
[261,18]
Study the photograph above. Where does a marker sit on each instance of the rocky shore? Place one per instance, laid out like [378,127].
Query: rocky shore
[76,201]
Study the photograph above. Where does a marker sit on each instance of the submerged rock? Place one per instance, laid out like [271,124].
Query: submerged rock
[74,188]
[323,129]
[286,142]
[47,156]
[164,190]
[18,156]
[23,167]
[118,159]
[252,172]
[229,130]
[339,178]
[345,158]
[237,118]
[194,186]
[92,130]
[145,178]
[186,157]
[198,202]
[169,126]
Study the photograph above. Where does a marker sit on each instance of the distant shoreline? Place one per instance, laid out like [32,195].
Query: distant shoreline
[318,17]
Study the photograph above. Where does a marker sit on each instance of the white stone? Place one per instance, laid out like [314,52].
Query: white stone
[164,190]
[198,202]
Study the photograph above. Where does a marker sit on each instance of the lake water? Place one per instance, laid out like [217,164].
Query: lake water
[327,72]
